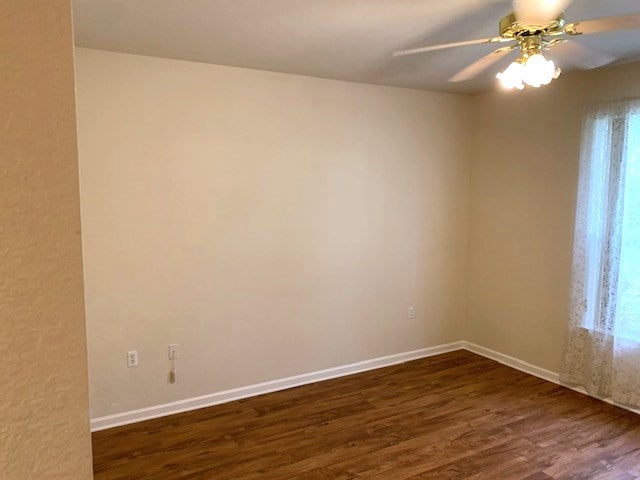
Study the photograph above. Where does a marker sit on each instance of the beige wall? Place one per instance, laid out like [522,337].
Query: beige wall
[270,224]
[524,176]
[44,418]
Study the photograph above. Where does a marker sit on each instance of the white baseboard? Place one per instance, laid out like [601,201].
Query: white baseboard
[535,371]
[133,416]
[606,400]
[513,362]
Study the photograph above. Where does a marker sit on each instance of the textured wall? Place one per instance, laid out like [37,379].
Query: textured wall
[524,178]
[270,224]
[44,429]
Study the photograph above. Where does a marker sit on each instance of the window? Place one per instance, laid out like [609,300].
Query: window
[609,219]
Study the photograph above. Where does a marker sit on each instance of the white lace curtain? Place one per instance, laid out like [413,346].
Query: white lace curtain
[602,351]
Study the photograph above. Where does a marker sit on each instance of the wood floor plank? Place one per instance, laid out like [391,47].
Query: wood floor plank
[453,416]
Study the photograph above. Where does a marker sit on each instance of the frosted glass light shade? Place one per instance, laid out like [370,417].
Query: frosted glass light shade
[534,71]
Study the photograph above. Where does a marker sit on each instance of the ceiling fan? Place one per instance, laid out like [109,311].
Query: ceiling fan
[533,27]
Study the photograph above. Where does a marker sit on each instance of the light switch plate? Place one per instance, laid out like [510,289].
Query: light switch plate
[174,351]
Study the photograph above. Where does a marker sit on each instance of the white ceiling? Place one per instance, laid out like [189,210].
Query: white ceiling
[340,39]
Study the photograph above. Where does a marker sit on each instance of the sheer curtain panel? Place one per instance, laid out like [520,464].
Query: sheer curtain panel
[602,351]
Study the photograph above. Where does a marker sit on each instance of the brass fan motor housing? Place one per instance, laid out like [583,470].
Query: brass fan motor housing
[532,39]
[511,28]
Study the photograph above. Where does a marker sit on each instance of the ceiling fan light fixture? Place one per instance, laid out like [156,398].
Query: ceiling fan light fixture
[534,70]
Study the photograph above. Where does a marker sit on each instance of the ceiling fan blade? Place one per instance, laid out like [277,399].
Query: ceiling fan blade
[605,24]
[538,12]
[583,57]
[625,61]
[432,48]
[481,65]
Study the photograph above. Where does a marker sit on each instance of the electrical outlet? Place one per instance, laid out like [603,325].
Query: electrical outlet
[411,314]
[132,358]
[174,351]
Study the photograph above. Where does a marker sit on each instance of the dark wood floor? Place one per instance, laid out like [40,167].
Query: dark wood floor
[452,416]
